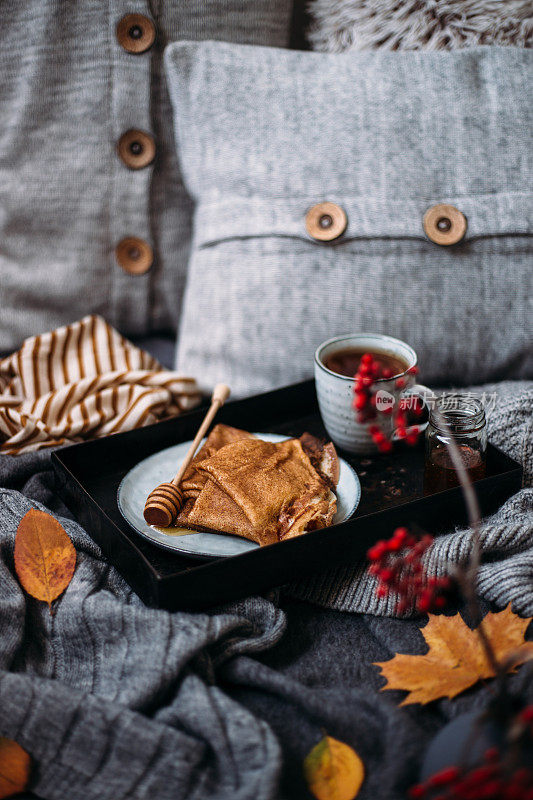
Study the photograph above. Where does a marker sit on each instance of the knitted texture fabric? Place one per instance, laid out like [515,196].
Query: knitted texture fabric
[69,93]
[396,134]
[117,701]
[340,25]
[79,689]
[506,572]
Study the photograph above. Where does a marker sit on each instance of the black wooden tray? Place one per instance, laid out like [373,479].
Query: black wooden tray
[89,475]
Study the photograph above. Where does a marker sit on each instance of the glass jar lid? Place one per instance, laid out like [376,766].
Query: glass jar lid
[462,413]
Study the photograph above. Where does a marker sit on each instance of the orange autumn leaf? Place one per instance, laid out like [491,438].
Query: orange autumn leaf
[333,770]
[14,768]
[456,659]
[45,558]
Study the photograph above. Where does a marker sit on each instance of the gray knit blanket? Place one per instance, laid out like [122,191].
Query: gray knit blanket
[116,700]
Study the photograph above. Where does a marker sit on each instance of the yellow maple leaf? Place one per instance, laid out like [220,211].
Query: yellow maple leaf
[456,659]
[333,770]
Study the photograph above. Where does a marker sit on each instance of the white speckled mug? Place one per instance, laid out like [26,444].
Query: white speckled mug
[335,392]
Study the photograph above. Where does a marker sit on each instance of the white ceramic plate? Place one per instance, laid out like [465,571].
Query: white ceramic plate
[156,469]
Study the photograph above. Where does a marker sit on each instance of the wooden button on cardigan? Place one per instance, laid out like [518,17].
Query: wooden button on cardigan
[136,33]
[136,149]
[134,255]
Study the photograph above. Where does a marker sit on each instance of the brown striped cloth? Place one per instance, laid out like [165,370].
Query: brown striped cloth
[84,381]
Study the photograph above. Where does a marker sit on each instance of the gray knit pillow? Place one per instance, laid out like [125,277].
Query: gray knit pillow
[340,25]
[265,135]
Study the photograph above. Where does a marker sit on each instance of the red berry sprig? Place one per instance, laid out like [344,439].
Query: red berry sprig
[367,372]
[397,564]
[492,780]
[364,403]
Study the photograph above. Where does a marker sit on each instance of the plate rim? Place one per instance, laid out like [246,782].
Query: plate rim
[210,556]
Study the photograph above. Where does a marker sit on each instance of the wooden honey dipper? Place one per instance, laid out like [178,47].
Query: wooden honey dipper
[164,502]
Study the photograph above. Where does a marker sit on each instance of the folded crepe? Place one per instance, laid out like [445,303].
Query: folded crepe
[263,491]
[221,435]
[194,481]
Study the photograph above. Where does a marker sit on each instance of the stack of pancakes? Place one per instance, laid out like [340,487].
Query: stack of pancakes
[263,491]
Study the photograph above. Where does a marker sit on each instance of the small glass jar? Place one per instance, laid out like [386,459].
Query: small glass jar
[465,417]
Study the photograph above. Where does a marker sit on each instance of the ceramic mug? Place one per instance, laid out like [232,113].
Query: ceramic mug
[335,392]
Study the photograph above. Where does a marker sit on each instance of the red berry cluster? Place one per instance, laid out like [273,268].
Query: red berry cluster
[397,564]
[364,403]
[490,781]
